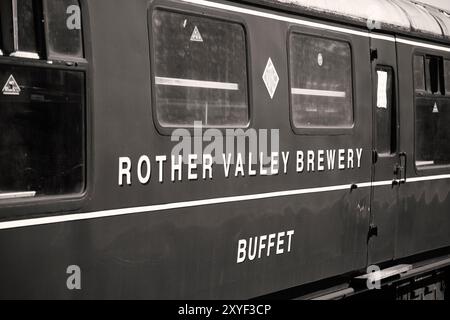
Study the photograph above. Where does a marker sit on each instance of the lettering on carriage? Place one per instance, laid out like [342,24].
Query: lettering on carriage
[260,247]
[162,168]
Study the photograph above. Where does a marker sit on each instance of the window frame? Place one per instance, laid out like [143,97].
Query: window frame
[209,13]
[333,36]
[419,51]
[61,204]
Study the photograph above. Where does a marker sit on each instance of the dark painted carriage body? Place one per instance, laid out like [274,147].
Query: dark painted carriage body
[191,252]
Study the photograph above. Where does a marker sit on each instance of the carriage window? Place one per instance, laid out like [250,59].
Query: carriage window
[20,27]
[200,71]
[63,26]
[432,117]
[31,28]
[434,75]
[385,112]
[26,25]
[1,36]
[6,26]
[447,76]
[321,82]
[42,126]
[419,73]
[432,132]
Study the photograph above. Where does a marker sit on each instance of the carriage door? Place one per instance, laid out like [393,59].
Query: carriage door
[386,168]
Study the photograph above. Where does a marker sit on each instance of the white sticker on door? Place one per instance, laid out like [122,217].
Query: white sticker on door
[382,89]
[11,87]
[196,36]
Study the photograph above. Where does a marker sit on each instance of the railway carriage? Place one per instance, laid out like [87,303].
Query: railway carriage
[98,95]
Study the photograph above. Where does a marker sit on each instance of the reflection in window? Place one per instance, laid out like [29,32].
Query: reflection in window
[63,25]
[432,131]
[419,73]
[321,82]
[21,29]
[434,75]
[42,125]
[432,116]
[200,71]
[447,76]
[26,25]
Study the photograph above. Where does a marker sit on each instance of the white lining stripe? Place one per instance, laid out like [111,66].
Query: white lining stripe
[320,93]
[382,37]
[423,45]
[429,178]
[314,24]
[275,17]
[197,203]
[177,82]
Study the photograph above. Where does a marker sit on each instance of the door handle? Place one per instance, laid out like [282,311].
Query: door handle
[403,166]
[401,169]
[374,156]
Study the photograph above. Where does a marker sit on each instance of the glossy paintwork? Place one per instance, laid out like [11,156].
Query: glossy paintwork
[191,253]
[385,202]
[424,221]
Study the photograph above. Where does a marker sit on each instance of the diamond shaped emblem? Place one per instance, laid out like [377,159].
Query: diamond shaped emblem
[271,78]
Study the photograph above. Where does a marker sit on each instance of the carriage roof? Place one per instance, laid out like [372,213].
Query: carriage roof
[399,16]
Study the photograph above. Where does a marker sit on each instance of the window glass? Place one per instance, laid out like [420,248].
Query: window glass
[63,26]
[6,27]
[432,132]
[42,125]
[200,71]
[433,115]
[434,75]
[385,112]
[1,34]
[321,82]
[419,73]
[447,76]
[26,25]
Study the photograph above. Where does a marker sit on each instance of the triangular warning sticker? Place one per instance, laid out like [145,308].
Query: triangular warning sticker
[435,108]
[196,36]
[11,87]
